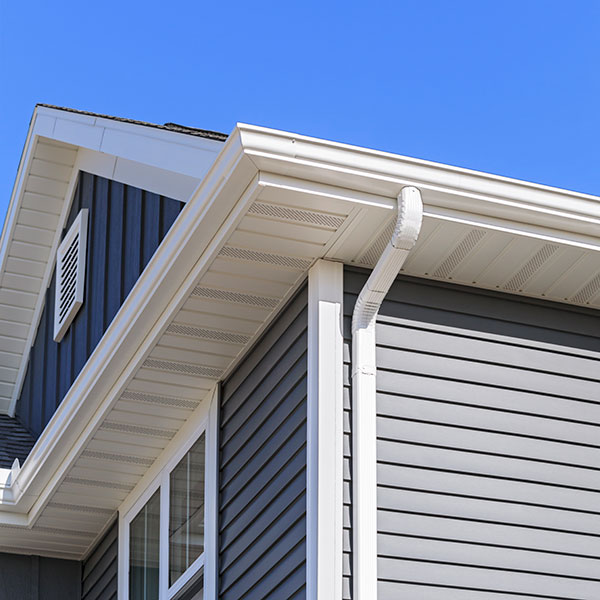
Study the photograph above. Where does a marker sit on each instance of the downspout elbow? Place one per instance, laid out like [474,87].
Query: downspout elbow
[408,225]
[364,415]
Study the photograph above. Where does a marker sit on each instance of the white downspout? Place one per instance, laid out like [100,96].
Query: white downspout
[364,433]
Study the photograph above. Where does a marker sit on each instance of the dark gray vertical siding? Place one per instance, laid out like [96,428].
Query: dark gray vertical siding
[262,507]
[38,578]
[99,570]
[488,449]
[125,226]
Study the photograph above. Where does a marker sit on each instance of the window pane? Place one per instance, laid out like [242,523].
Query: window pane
[186,511]
[144,551]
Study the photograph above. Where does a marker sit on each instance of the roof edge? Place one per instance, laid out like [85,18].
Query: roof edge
[205,133]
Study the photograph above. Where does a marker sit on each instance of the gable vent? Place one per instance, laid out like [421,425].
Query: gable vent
[70,275]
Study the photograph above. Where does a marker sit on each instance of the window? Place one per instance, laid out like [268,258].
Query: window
[186,511]
[144,551]
[166,532]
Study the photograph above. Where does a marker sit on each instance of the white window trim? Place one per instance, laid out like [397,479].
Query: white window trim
[203,420]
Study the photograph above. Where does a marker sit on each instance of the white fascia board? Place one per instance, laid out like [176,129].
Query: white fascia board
[186,252]
[168,150]
[146,177]
[384,174]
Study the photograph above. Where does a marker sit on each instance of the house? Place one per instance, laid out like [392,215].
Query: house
[270,366]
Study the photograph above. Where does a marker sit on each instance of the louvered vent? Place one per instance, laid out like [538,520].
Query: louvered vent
[70,275]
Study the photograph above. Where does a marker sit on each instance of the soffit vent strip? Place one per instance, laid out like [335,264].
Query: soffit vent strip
[79,508]
[96,483]
[528,270]
[588,291]
[161,400]
[297,215]
[134,460]
[464,248]
[375,250]
[181,367]
[268,258]
[236,297]
[138,429]
[229,337]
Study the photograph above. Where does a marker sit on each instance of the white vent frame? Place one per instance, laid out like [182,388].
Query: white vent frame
[70,282]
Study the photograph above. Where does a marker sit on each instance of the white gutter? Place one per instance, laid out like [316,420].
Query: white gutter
[364,367]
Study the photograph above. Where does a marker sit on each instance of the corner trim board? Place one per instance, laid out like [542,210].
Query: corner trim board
[324,535]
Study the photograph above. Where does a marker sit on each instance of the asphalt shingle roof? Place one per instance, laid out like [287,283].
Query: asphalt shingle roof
[205,133]
[15,441]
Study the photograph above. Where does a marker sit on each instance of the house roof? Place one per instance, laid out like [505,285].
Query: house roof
[205,133]
[15,441]
[267,206]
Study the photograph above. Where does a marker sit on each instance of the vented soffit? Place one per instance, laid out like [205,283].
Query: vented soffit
[238,252]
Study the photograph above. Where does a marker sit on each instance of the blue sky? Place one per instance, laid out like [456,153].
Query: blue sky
[500,86]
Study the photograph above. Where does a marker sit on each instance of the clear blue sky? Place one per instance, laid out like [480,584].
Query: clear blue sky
[500,86]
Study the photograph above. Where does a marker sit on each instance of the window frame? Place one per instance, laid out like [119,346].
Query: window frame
[203,420]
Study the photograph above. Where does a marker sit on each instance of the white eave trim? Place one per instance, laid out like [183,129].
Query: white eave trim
[158,160]
[462,190]
[187,250]
[166,150]
[213,212]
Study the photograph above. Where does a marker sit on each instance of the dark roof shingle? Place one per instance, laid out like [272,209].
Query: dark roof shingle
[15,441]
[205,133]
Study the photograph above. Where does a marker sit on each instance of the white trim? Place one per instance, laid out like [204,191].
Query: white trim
[324,519]
[211,500]
[157,295]
[364,392]
[167,183]
[152,179]
[384,173]
[170,150]
[17,193]
[39,307]
[201,421]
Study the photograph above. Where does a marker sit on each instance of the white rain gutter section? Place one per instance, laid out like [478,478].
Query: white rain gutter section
[364,412]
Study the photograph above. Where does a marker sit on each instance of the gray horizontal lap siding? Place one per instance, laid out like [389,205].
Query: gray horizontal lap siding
[262,507]
[125,226]
[488,417]
[99,569]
